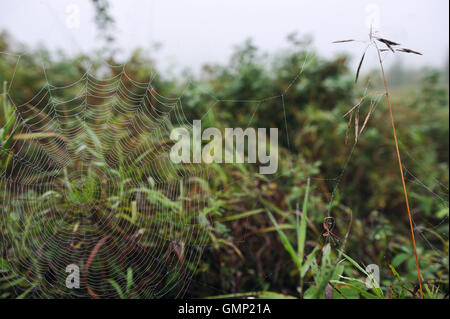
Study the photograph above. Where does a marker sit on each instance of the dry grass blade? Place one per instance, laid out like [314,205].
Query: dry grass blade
[409,51]
[359,67]
[348,128]
[366,120]
[354,107]
[328,292]
[388,43]
[388,292]
[93,295]
[40,135]
[343,41]
[89,261]
[390,48]
[419,276]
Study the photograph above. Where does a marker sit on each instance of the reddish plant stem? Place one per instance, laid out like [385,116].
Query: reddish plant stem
[401,172]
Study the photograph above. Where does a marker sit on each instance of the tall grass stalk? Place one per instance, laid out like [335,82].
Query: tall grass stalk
[401,168]
[301,232]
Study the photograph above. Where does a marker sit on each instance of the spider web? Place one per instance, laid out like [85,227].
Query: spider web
[114,130]
[94,186]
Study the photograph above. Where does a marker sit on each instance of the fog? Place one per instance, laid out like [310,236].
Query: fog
[193,33]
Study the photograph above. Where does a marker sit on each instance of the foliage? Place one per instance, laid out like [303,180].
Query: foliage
[264,234]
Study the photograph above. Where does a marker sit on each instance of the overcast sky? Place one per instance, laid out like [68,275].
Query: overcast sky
[201,31]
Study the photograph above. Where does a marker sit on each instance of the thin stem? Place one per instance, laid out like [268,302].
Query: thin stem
[401,171]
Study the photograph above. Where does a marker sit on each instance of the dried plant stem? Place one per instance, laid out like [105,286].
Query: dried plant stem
[401,172]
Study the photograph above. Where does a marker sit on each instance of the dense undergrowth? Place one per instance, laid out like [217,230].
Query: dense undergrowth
[261,235]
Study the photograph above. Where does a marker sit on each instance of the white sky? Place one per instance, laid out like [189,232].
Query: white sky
[200,31]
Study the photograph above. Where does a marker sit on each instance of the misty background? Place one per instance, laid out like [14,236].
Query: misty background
[68,104]
[189,34]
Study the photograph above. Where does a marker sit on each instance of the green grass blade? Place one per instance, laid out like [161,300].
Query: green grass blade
[287,245]
[301,231]
[117,288]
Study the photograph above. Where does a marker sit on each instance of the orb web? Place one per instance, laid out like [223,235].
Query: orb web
[99,136]
[89,183]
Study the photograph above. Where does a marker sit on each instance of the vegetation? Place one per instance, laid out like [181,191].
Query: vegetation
[254,235]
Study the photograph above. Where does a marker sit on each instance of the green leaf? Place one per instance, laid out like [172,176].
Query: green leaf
[354,263]
[241,215]
[285,241]
[4,265]
[117,288]
[399,259]
[309,260]
[301,231]
[129,278]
